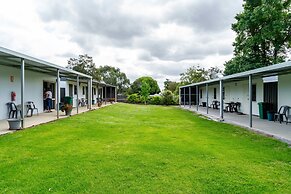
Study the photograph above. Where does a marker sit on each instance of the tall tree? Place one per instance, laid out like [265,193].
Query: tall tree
[145,91]
[136,85]
[214,72]
[194,74]
[263,32]
[83,64]
[108,74]
[113,76]
[170,85]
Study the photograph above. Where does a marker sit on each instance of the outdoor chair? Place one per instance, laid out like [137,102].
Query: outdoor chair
[236,107]
[215,104]
[82,102]
[229,107]
[13,110]
[283,111]
[31,107]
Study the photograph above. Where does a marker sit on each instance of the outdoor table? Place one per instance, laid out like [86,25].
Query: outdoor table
[215,104]
[230,106]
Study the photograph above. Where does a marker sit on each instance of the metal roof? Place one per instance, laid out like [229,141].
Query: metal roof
[101,83]
[13,59]
[272,70]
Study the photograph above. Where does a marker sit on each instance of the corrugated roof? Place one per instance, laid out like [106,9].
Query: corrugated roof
[13,59]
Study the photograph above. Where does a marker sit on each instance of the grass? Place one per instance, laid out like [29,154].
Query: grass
[142,149]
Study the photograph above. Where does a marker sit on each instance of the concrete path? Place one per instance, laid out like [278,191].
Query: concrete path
[279,131]
[43,118]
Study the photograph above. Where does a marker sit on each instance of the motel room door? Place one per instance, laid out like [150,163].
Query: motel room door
[271,95]
[52,86]
[63,94]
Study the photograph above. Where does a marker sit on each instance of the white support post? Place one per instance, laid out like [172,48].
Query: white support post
[78,89]
[250,101]
[207,96]
[22,91]
[189,97]
[221,99]
[197,98]
[90,94]
[58,94]
[97,91]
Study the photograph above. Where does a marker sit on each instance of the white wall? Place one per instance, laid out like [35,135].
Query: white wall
[210,94]
[65,84]
[236,92]
[33,88]
[284,90]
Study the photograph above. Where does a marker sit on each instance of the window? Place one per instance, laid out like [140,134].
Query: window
[214,93]
[200,93]
[94,91]
[254,92]
[83,90]
[75,89]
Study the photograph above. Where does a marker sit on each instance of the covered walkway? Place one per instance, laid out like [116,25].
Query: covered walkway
[279,131]
[45,118]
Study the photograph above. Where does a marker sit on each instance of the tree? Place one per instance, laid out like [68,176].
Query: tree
[108,74]
[193,75]
[145,91]
[83,64]
[113,76]
[136,85]
[170,85]
[167,97]
[263,35]
[214,72]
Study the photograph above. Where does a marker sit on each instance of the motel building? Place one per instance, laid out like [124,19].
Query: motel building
[25,79]
[250,99]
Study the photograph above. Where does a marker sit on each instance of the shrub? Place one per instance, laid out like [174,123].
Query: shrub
[155,100]
[134,99]
[167,97]
[176,99]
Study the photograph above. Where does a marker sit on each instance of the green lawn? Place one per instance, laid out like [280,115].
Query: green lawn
[142,149]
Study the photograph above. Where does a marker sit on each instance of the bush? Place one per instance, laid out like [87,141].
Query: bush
[176,99]
[155,100]
[134,99]
[167,97]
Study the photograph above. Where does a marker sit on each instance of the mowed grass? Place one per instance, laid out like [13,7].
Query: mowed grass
[142,149]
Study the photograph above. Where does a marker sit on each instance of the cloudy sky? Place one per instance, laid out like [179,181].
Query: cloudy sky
[158,38]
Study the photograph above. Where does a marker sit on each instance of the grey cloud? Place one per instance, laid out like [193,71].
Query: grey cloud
[175,51]
[97,18]
[206,15]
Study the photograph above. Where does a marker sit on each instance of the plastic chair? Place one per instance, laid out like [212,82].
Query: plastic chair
[279,116]
[31,107]
[13,110]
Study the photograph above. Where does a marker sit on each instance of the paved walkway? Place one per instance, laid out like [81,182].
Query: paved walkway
[43,118]
[279,131]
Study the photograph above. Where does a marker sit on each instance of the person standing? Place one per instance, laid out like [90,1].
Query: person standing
[49,99]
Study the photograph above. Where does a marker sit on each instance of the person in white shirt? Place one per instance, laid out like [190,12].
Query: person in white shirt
[49,99]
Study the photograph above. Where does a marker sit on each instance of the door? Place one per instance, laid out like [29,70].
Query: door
[271,95]
[63,94]
[49,85]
